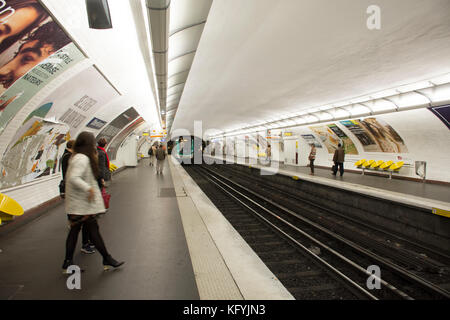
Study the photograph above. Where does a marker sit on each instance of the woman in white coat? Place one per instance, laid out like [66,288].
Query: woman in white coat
[84,200]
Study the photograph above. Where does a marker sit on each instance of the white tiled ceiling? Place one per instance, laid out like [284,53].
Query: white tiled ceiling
[259,59]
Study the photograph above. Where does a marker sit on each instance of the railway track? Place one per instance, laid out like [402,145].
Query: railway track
[311,260]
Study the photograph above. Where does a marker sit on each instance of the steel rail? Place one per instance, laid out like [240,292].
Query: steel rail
[345,278]
[410,276]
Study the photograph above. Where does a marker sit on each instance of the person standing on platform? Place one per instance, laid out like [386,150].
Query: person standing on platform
[150,155]
[87,246]
[84,200]
[312,157]
[268,153]
[160,157]
[338,159]
[103,163]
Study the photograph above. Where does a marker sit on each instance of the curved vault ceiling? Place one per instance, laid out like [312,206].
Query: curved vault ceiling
[263,59]
[176,27]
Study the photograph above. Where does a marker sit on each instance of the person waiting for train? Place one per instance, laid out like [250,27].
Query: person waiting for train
[338,160]
[312,157]
[103,162]
[87,246]
[84,200]
[160,157]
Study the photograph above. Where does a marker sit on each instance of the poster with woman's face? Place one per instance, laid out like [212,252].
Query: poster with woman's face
[28,35]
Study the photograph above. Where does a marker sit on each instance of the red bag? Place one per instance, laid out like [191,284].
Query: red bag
[106,196]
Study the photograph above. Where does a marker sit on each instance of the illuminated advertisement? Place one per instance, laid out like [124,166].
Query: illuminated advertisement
[59,117]
[310,139]
[115,126]
[33,152]
[331,135]
[18,94]
[78,99]
[115,144]
[376,135]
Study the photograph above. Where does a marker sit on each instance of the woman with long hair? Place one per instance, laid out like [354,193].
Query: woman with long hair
[18,18]
[84,200]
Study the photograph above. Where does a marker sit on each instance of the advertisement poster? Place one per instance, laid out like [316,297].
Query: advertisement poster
[115,126]
[96,123]
[443,113]
[376,135]
[115,144]
[330,135]
[310,139]
[34,152]
[13,99]
[78,99]
[28,36]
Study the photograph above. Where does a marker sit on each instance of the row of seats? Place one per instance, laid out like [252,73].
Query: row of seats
[112,167]
[389,166]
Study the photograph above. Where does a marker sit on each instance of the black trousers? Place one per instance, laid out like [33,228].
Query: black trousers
[341,168]
[311,165]
[91,226]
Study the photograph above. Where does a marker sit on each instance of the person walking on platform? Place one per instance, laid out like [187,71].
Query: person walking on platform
[312,157]
[160,157]
[150,156]
[84,200]
[87,246]
[103,163]
[338,160]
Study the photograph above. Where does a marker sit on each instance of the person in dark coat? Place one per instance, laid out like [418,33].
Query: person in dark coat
[87,246]
[103,162]
[338,159]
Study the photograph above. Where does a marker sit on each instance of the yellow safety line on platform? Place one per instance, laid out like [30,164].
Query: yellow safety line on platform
[441,212]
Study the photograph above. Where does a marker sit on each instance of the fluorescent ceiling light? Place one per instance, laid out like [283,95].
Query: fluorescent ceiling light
[414,86]
[441,79]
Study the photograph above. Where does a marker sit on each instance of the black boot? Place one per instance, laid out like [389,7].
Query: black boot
[109,262]
[66,264]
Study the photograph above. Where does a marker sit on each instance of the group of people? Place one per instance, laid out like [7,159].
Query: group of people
[158,153]
[338,159]
[85,170]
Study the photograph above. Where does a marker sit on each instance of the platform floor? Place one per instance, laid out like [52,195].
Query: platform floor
[143,227]
[424,190]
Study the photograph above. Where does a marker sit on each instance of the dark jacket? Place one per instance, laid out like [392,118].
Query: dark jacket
[104,172]
[160,154]
[339,155]
[65,162]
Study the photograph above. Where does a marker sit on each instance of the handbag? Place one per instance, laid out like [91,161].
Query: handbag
[106,197]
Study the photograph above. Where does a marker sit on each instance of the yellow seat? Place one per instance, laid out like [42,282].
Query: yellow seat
[386,165]
[376,164]
[112,167]
[397,166]
[10,206]
[368,163]
[359,163]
